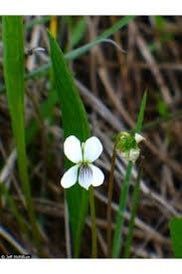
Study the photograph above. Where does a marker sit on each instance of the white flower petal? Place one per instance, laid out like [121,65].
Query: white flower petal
[92,149]
[70,177]
[139,138]
[98,176]
[85,176]
[134,154]
[72,149]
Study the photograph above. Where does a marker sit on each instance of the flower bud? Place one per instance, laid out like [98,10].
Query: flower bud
[127,145]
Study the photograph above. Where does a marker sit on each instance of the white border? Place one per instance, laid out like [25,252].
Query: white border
[69,266]
[91,7]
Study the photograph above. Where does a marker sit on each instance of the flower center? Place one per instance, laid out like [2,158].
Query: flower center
[85,173]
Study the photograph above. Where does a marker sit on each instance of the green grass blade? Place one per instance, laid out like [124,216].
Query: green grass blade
[139,123]
[118,240]
[117,26]
[13,61]
[110,31]
[75,122]
[175,226]
[77,32]
[14,80]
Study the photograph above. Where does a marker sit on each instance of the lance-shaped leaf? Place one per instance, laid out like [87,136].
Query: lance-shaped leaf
[74,122]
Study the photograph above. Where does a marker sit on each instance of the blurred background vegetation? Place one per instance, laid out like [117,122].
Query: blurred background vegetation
[111,83]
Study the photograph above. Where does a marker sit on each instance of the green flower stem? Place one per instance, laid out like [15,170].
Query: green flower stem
[117,241]
[134,207]
[93,219]
[109,208]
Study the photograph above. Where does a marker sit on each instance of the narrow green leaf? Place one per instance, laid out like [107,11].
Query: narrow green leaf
[13,61]
[78,31]
[139,123]
[175,226]
[74,123]
[117,26]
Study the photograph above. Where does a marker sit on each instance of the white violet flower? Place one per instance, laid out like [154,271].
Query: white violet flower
[82,154]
